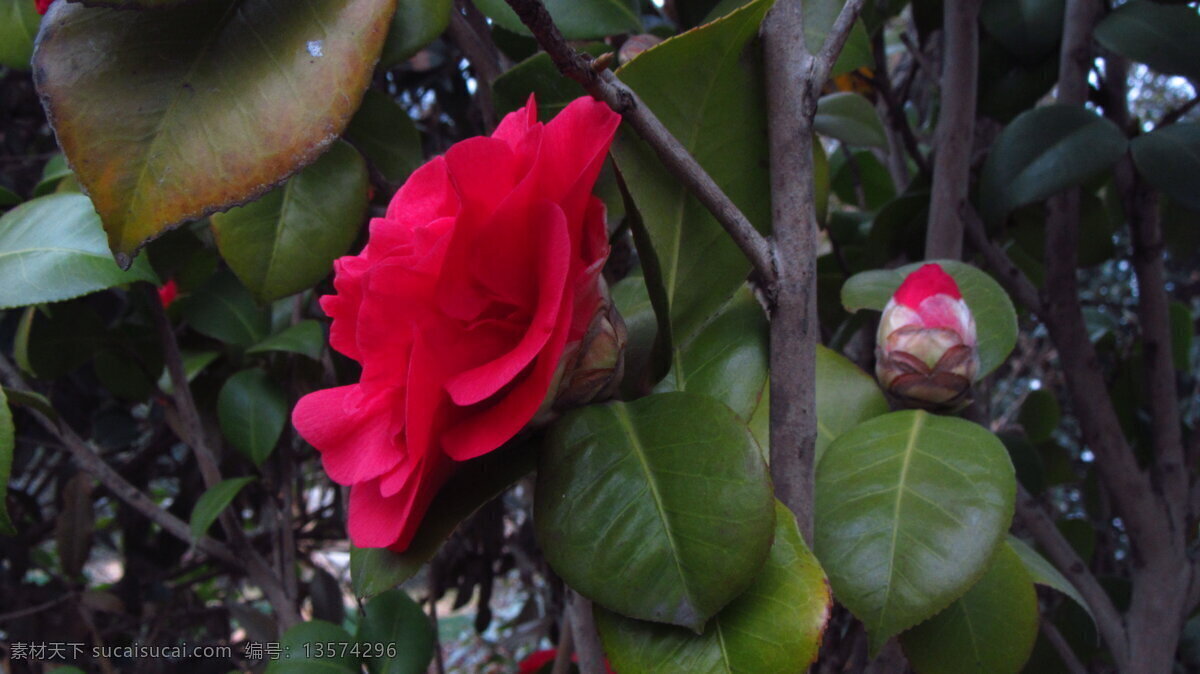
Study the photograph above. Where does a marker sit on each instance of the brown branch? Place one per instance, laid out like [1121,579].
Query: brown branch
[1065,559]
[955,130]
[897,120]
[586,638]
[481,52]
[794,81]
[1174,115]
[1009,275]
[92,464]
[605,86]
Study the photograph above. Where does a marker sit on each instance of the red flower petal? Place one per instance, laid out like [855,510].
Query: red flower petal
[927,281]
[354,432]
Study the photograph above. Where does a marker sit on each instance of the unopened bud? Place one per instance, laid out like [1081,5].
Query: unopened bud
[925,353]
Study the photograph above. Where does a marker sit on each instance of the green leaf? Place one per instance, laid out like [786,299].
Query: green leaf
[659,509]
[706,88]
[213,502]
[52,248]
[53,172]
[1030,29]
[632,300]
[1169,158]
[1039,415]
[1043,572]
[316,647]
[224,309]
[727,358]
[7,443]
[374,570]
[1161,36]
[415,24]
[252,410]
[849,118]
[230,98]
[194,363]
[862,169]
[386,135]
[995,317]
[774,626]
[576,19]
[287,240]
[538,75]
[19,22]
[990,630]
[393,619]
[1044,151]
[909,507]
[819,16]
[1182,335]
[846,397]
[305,338]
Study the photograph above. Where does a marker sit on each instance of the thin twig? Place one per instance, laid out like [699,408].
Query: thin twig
[955,130]
[605,86]
[1064,650]
[483,55]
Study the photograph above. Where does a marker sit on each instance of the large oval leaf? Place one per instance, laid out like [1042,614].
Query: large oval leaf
[415,24]
[846,397]
[995,317]
[659,509]
[375,570]
[849,118]
[774,626]
[18,25]
[577,19]
[52,248]
[252,410]
[909,508]
[1161,36]
[990,630]
[213,111]
[288,239]
[706,88]
[223,309]
[213,502]
[1170,159]
[1042,152]
[316,647]
[1030,29]
[394,620]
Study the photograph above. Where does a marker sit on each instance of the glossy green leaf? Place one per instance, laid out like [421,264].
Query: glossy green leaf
[705,87]
[659,509]
[241,94]
[727,358]
[909,507]
[252,410]
[849,118]
[537,75]
[305,338]
[19,22]
[1042,152]
[989,630]
[995,317]
[1030,29]
[577,19]
[1043,572]
[1161,36]
[1039,415]
[7,443]
[774,626]
[316,647]
[224,309]
[393,619]
[1169,158]
[287,240]
[415,24]
[52,248]
[53,173]
[213,502]
[819,16]
[386,135]
[846,397]
[375,570]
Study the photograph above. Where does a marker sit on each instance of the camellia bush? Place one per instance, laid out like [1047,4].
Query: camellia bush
[754,336]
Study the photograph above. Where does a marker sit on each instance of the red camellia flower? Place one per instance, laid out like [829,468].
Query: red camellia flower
[478,293]
[168,292]
[926,349]
[43,5]
[539,661]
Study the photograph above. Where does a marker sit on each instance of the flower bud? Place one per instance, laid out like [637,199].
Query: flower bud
[925,353]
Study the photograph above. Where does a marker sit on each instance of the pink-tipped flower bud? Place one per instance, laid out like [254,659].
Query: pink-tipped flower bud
[925,353]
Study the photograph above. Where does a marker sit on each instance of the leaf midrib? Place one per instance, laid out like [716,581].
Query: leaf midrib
[909,450]
[640,452]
